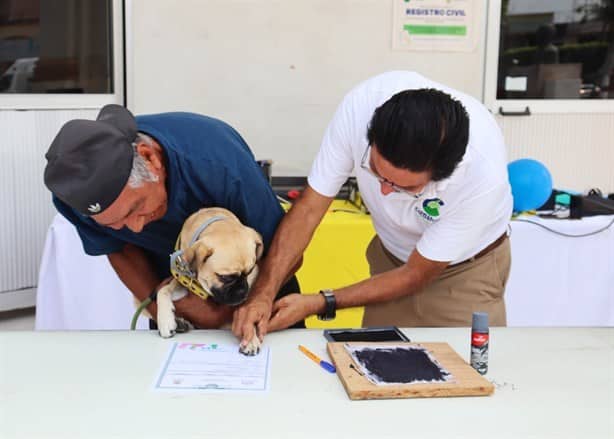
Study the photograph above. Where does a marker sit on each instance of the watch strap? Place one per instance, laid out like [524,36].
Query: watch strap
[330,310]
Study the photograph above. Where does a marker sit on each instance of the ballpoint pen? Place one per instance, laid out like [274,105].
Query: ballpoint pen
[324,364]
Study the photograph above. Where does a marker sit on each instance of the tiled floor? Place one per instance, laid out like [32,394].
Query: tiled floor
[18,320]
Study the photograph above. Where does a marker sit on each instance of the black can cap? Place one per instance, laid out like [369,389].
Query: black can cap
[89,161]
[479,322]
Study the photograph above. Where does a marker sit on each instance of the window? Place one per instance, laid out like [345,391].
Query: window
[551,50]
[52,50]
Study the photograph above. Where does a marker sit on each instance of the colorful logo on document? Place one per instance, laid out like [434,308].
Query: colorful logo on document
[430,209]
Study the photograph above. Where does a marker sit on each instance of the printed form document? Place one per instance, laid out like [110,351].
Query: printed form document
[213,367]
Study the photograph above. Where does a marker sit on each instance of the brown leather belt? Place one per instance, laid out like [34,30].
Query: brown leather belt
[490,247]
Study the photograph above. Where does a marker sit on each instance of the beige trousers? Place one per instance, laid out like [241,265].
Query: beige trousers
[450,300]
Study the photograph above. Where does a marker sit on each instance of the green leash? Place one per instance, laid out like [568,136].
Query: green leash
[138,312]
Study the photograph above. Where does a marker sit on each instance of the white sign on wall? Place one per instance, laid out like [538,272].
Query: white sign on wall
[434,25]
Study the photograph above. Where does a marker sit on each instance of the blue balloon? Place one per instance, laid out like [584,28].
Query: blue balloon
[531,184]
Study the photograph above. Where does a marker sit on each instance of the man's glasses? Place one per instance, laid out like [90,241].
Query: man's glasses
[364,164]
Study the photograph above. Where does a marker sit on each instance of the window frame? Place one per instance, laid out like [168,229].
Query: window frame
[52,101]
[519,106]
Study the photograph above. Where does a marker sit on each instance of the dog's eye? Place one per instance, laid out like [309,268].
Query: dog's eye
[226,278]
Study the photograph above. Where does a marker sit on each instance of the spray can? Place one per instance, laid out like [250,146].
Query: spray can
[479,342]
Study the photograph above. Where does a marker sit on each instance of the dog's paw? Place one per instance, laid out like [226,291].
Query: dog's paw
[167,326]
[252,348]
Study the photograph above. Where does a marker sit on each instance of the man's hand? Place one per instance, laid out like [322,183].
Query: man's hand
[253,314]
[294,307]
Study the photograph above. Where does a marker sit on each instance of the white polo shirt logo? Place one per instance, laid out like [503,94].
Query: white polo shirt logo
[430,209]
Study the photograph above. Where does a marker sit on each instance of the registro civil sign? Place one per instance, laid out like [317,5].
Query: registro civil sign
[444,25]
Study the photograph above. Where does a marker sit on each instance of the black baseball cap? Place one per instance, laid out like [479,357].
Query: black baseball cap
[89,161]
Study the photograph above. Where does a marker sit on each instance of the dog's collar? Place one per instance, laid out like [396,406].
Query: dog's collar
[180,269]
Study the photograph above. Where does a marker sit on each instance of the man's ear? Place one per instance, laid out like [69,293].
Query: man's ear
[197,254]
[150,155]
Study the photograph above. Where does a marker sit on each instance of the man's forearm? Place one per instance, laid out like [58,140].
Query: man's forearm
[402,281]
[291,239]
[203,314]
[134,270]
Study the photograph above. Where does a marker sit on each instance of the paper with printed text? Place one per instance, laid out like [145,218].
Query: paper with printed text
[213,367]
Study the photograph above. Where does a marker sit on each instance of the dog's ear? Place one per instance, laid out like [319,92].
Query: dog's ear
[259,249]
[259,244]
[197,254]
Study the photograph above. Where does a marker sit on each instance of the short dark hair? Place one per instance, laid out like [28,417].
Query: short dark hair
[421,130]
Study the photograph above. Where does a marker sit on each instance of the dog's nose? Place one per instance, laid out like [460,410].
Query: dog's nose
[238,291]
[229,279]
[232,293]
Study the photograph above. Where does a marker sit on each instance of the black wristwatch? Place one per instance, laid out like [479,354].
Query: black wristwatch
[330,312]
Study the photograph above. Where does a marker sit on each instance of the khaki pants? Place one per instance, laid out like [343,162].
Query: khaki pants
[450,300]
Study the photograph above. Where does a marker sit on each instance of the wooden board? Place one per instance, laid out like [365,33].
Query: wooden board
[467,382]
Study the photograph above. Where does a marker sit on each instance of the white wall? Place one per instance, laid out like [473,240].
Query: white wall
[274,69]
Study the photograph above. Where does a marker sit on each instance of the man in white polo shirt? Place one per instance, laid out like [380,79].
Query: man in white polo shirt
[431,167]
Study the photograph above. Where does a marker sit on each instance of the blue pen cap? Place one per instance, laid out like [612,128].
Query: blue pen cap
[329,367]
[479,322]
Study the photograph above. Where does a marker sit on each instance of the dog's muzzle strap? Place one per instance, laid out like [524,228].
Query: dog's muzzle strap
[180,269]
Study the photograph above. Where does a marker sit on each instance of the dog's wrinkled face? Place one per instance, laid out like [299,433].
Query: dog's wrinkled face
[225,262]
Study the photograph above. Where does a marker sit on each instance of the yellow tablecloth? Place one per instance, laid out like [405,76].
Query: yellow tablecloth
[336,258]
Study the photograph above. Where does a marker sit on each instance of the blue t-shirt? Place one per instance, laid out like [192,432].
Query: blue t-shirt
[208,164]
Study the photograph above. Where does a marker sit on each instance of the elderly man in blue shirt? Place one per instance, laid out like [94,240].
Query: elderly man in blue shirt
[128,184]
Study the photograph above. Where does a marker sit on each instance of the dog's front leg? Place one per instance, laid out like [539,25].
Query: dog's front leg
[168,324]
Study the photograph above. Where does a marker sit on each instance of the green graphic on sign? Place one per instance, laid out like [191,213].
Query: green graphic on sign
[425,29]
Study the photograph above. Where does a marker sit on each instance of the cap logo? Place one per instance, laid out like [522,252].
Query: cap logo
[94,208]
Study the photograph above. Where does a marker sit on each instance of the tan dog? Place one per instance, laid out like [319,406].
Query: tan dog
[223,257]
